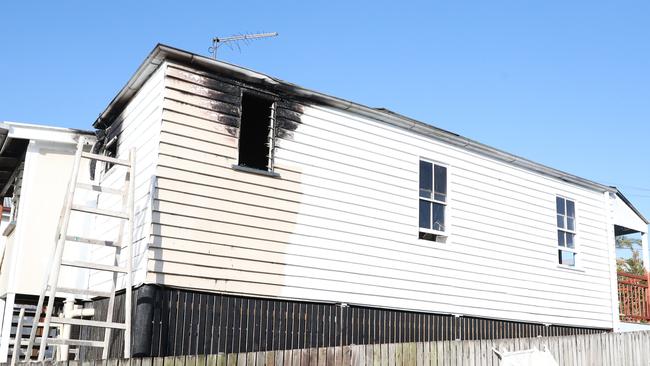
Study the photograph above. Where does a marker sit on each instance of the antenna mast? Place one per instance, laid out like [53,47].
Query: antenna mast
[217,41]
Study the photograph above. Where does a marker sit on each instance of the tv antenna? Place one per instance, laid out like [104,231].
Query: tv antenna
[218,41]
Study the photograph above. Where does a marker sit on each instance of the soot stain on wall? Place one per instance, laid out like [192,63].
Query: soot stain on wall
[288,118]
[222,99]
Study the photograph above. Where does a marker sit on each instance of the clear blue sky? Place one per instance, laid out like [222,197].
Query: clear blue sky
[565,83]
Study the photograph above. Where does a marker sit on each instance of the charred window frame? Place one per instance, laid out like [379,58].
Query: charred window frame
[433,201]
[110,150]
[257,133]
[566,231]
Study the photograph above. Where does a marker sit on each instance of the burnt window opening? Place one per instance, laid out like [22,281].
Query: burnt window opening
[111,151]
[255,132]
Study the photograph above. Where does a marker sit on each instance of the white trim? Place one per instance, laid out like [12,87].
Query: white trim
[115,141]
[611,252]
[2,317]
[29,168]
[8,311]
[271,138]
[43,133]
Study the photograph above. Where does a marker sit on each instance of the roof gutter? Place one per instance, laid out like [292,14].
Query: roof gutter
[162,53]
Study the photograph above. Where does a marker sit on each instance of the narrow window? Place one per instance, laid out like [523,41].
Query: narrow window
[566,231]
[255,137]
[111,151]
[433,201]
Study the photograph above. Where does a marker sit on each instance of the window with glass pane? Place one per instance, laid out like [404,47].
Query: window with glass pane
[433,199]
[440,183]
[566,231]
[567,258]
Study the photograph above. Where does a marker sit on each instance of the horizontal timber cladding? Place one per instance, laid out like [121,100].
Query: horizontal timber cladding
[173,322]
[137,126]
[340,223]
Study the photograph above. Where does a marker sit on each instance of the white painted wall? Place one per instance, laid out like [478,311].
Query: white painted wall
[139,126]
[626,217]
[29,247]
[340,224]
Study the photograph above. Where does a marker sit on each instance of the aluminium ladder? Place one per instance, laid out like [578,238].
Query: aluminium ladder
[51,288]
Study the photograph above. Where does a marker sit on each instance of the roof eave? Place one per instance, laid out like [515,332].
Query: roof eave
[141,75]
[631,206]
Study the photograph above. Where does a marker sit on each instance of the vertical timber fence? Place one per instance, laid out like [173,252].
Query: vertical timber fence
[178,322]
[612,349]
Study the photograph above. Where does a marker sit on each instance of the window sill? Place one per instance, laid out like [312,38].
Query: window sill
[434,232]
[441,237]
[570,268]
[255,171]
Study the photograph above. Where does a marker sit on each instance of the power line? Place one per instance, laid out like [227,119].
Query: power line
[634,188]
[638,195]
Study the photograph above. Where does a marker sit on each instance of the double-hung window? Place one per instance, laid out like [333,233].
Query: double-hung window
[566,231]
[433,201]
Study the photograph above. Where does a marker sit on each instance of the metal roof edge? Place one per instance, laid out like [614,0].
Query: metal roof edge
[162,52]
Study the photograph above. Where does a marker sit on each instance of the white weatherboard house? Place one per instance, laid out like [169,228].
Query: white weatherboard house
[270,216]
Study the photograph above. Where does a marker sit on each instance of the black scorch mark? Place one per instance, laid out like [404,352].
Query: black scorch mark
[288,118]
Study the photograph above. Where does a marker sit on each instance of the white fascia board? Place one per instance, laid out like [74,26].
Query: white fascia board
[626,217]
[44,133]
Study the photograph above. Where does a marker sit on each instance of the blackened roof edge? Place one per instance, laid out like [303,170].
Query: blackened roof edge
[162,53]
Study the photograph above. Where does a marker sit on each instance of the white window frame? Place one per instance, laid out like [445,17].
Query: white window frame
[574,232]
[445,233]
[114,142]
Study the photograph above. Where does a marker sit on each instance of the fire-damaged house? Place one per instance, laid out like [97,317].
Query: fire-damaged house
[269,216]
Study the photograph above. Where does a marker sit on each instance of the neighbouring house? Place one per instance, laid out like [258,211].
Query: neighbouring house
[270,216]
[35,164]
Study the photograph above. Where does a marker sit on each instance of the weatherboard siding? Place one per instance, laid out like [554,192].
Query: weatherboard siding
[137,126]
[340,223]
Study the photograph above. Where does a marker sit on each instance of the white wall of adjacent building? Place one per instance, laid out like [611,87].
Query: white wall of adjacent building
[29,246]
[29,236]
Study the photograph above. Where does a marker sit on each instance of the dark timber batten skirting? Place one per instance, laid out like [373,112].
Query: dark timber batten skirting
[171,321]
